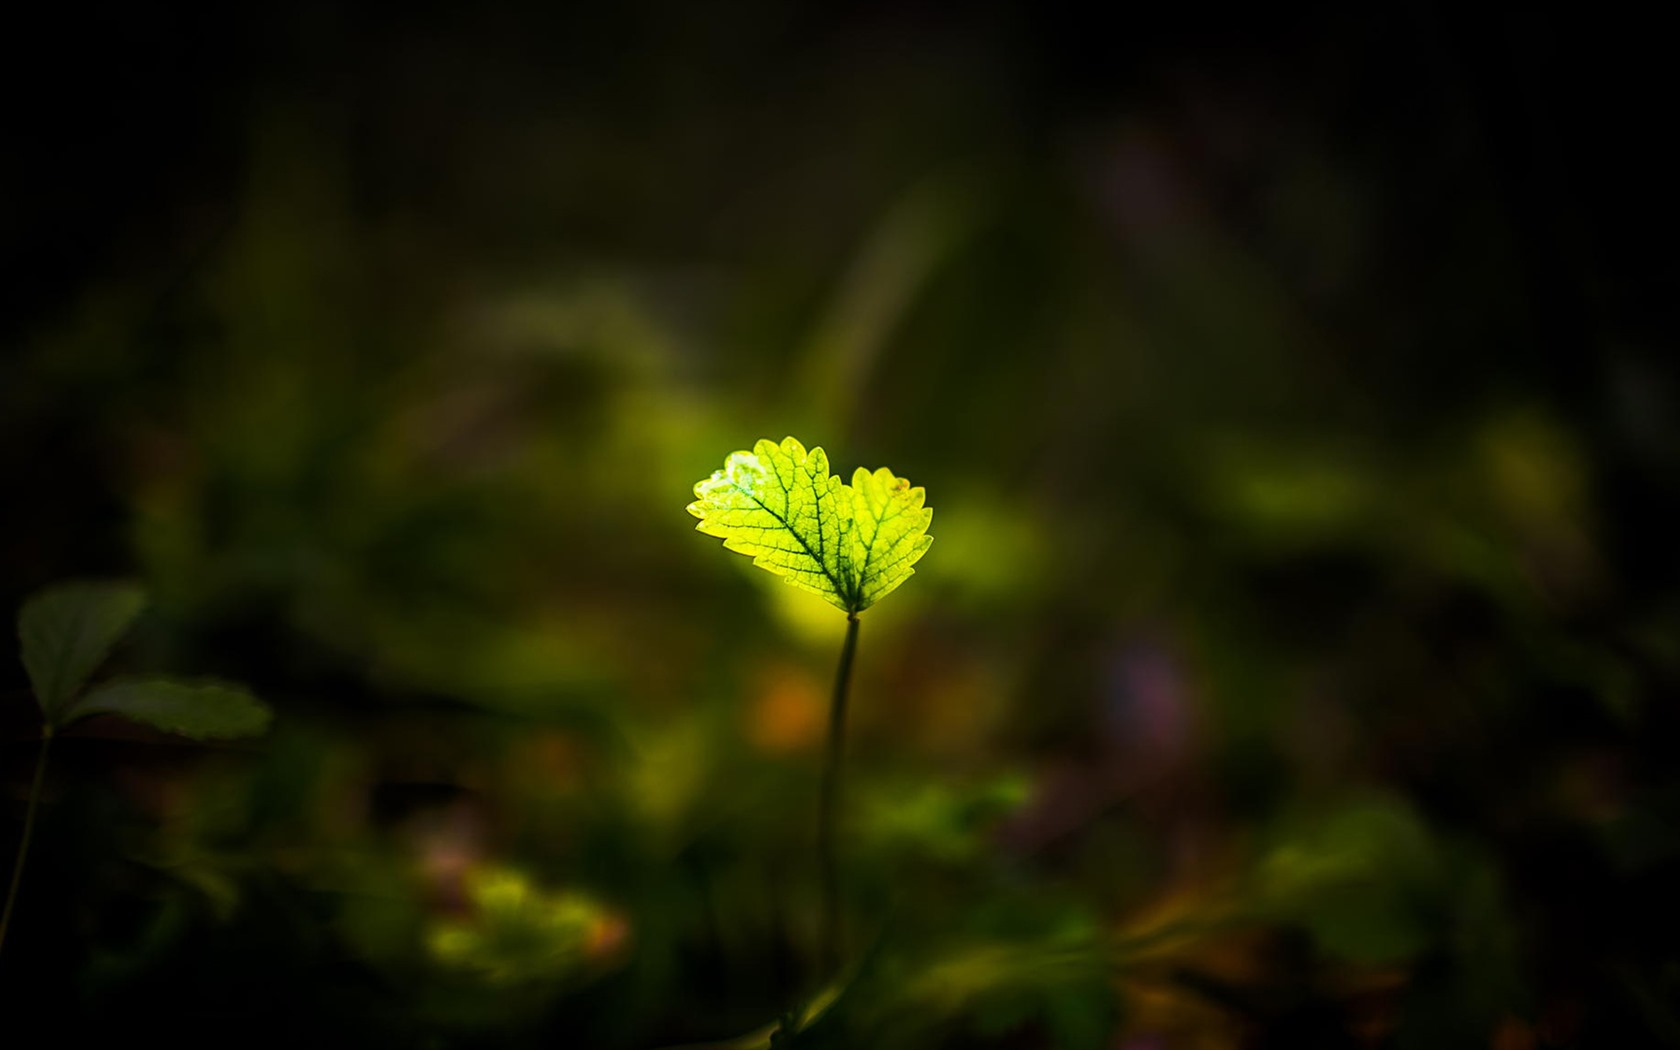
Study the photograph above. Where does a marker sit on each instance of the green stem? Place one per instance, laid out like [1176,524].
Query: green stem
[828,941]
[28,832]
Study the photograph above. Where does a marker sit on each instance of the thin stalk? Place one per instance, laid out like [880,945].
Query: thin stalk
[28,833]
[828,940]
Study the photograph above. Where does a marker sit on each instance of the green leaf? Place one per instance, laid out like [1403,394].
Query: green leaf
[890,533]
[66,631]
[851,544]
[200,710]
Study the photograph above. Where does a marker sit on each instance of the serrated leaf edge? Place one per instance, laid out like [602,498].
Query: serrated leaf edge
[851,593]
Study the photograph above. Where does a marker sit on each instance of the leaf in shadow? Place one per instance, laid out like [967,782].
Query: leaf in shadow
[202,710]
[66,631]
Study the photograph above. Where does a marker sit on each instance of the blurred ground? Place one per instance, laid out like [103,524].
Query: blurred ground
[1295,664]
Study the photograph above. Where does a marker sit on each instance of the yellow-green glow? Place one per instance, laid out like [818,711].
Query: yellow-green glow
[520,933]
[851,544]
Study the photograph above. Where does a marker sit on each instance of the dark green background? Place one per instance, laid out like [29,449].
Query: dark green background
[1295,664]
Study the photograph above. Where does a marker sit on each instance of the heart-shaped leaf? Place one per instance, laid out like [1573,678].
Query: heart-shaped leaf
[201,710]
[66,631]
[851,544]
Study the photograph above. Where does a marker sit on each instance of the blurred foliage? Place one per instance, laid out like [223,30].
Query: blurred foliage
[1297,665]
[516,934]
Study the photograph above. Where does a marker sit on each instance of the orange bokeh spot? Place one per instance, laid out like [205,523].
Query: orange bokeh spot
[787,712]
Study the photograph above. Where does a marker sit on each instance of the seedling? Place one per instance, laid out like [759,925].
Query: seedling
[66,632]
[851,544]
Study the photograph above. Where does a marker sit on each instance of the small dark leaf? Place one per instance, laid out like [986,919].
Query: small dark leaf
[200,710]
[66,631]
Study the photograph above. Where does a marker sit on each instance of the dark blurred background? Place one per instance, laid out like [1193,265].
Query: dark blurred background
[1295,664]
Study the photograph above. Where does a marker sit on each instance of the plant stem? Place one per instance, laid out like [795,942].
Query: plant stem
[828,941]
[28,832]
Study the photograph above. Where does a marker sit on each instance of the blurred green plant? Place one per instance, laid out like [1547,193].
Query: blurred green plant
[65,632]
[518,932]
[994,982]
[850,544]
[937,820]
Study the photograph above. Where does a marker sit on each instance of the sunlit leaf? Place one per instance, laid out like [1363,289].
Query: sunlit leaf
[66,631]
[200,710]
[851,544]
[889,534]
